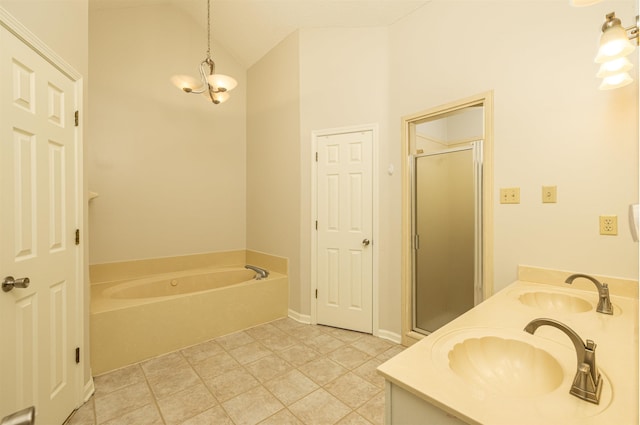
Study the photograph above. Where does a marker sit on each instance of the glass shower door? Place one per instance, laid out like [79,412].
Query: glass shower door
[446,224]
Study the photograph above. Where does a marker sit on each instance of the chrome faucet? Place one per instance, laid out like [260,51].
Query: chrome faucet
[604,302]
[587,383]
[260,273]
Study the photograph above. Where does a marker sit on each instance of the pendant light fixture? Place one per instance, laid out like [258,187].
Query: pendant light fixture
[215,87]
[615,46]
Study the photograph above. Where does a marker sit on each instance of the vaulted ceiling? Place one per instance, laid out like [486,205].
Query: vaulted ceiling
[248,29]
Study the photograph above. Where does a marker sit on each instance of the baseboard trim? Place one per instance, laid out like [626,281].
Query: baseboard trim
[388,335]
[381,333]
[302,318]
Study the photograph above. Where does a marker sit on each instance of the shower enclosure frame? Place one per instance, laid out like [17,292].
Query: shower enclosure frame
[476,148]
[408,148]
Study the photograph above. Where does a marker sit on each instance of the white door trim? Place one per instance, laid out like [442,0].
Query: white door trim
[376,224]
[10,23]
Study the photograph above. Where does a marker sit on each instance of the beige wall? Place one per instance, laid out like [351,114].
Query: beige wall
[170,170]
[62,24]
[343,82]
[169,167]
[552,125]
[273,158]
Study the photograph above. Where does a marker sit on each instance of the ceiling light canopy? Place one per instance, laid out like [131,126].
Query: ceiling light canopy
[615,46]
[215,87]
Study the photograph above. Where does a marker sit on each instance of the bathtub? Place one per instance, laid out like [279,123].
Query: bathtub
[142,317]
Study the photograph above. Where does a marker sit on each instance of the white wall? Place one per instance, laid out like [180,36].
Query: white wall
[169,167]
[552,125]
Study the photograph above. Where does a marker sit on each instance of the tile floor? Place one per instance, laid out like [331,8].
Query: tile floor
[282,372]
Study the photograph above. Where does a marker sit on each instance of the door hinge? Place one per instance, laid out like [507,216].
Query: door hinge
[316,156]
[77,118]
[77,355]
[316,294]
[316,224]
[77,236]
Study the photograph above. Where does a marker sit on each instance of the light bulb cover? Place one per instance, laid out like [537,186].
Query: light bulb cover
[221,82]
[613,67]
[614,44]
[187,83]
[216,97]
[616,81]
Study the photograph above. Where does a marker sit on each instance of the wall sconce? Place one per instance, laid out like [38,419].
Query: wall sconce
[615,46]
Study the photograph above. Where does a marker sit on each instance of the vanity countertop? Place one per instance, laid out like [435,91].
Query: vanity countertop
[423,369]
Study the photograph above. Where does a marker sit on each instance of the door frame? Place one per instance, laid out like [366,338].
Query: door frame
[10,23]
[315,135]
[410,337]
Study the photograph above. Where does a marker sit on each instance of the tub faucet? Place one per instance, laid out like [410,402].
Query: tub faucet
[587,383]
[604,302]
[260,273]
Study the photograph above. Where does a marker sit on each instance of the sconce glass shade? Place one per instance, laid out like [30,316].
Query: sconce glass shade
[616,81]
[187,83]
[613,67]
[614,44]
[221,82]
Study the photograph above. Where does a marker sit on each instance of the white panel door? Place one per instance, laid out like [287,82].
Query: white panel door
[38,217]
[345,226]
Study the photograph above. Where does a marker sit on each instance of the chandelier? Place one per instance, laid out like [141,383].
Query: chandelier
[215,87]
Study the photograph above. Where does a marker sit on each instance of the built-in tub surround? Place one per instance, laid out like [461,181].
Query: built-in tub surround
[142,309]
[448,375]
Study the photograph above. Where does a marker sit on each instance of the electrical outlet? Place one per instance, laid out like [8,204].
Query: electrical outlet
[609,225]
[549,194]
[510,195]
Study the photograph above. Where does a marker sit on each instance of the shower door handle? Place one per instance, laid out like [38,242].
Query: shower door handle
[365,242]
[9,283]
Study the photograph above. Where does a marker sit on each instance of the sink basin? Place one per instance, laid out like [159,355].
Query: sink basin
[552,301]
[506,366]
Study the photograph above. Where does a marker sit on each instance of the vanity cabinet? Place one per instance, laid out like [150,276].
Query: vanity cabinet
[404,408]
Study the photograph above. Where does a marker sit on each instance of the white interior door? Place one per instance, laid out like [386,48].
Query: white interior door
[39,213]
[345,226]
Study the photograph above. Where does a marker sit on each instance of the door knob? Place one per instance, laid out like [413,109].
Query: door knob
[365,242]
[9,283]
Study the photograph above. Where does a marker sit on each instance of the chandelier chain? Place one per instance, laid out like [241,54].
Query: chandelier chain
[208,28]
